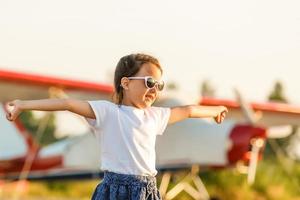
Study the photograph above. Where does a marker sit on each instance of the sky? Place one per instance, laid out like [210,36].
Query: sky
[243,44]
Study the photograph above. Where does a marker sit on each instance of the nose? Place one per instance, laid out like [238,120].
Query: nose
[154,89]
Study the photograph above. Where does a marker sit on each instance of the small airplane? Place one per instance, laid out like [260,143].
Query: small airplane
[184,145]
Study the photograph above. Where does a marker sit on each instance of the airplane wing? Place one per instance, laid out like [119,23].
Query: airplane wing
[268,114]
[16,85]
[17,144]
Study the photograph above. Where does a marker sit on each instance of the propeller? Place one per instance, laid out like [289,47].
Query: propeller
[252,117]
[246,109]
[272,133]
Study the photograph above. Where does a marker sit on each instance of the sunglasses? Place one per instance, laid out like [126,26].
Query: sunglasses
[150,82]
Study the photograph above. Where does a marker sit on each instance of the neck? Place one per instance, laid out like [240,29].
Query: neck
[126,102]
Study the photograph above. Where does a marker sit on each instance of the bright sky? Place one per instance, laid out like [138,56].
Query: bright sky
[248,44]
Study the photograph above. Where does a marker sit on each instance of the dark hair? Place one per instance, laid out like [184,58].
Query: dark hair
[129,66]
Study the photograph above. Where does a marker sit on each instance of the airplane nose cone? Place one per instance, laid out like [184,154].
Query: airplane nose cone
[240,141]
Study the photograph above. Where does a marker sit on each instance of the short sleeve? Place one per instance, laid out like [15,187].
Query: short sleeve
[162,118]
[100,109]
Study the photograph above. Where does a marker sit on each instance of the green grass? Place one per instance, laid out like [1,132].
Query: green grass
[272,182]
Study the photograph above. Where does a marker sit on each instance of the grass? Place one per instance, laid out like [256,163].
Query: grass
[272,182]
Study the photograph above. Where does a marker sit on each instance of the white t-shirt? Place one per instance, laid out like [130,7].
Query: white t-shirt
[127,136]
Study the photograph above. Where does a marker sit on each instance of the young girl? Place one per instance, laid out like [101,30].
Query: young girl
[127,128]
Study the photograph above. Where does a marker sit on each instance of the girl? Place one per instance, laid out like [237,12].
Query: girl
[127,128]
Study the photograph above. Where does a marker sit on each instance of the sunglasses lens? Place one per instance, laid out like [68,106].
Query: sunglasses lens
[150,82]
[161,85]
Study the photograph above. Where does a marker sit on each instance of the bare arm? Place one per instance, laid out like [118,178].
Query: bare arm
[195,111]
[76,106]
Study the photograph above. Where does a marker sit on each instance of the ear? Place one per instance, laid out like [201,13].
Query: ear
[124,83]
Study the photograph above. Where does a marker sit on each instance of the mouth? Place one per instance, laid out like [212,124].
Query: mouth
[149,98]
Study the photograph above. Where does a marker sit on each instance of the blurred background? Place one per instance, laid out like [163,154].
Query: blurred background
[207,49]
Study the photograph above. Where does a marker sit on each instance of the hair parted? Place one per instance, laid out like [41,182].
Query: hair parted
[129,66]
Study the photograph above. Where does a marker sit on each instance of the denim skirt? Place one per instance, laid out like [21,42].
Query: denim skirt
[126,187]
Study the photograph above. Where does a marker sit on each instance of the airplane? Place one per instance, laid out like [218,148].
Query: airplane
[187,144]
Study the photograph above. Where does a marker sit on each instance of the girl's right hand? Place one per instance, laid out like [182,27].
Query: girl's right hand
[13,109]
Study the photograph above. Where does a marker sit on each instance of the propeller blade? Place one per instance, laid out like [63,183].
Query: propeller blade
[246,108]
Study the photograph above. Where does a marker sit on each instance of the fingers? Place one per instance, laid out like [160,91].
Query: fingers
[221,116]
[223,113]
[9,117]
[219,119]
[9,106]
[9,109]
[224,109]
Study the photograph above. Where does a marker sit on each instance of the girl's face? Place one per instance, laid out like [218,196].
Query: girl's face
[135,91]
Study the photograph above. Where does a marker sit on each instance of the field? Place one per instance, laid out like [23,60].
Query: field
[272,183]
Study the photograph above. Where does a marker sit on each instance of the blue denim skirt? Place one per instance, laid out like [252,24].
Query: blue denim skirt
[126,187]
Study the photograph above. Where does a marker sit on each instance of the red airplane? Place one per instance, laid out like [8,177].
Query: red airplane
[192,142]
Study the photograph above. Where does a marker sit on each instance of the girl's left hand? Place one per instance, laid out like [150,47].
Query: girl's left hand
[221,115]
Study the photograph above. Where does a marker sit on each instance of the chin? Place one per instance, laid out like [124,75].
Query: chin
[146,103]
[141,105]
[149,103]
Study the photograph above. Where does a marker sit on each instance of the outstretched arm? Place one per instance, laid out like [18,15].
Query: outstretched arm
[195,111]
[76,106]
